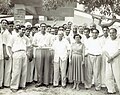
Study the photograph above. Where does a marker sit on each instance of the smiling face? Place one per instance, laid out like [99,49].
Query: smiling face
[105,32]
[86,32]
[77,39]
[4,24]
[43,28]
[113,34]
[10,27]
[95,34]
[60,35]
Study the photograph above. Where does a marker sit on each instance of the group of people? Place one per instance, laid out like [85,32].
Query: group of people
[66,54]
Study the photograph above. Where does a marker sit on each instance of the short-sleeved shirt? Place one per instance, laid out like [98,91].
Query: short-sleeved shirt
[77,48]
[41,40]
[94,46]
[5,36]
[112,46]
[18,43]
[60,49]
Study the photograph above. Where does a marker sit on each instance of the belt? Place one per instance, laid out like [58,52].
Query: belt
[19,50]
[95,55]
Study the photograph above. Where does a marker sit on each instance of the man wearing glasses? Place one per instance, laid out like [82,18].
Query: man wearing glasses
[42,43]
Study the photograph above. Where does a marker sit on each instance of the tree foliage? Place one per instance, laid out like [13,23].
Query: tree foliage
[106,7]
[6,7]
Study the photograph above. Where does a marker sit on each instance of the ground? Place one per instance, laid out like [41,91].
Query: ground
[31,90]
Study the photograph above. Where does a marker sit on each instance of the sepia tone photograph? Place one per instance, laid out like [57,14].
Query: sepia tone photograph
[59,47]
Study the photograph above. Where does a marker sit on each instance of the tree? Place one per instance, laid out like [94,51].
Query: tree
[106,7]
[6,7]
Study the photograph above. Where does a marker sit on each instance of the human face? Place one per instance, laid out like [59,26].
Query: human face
[21,33]
[33,31]
[105,32]
[60,35]
[67,32]
[74,31]
[17,26]
[27,33]
[113,34]
[52,32]
[92,26]
[86,33]
[10,27]
[43,28]
[69,25]
[77,39]
[4,24]
[94,34]
[81,30]
[48,29]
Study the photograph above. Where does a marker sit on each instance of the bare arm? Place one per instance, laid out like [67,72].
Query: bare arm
[116,54]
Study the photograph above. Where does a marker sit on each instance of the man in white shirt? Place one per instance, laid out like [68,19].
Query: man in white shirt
[1,61]
[7,60]
[8,63]
[18,48]
[103,39]
[112,52]
[85,39]
[61,49]
[94,61]
[42,43]
[30,66]
[4,31]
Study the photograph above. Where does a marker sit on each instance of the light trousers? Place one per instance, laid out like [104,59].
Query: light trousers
[93,69]
[60,67]
[8,72]
[1,71]
[113,75]
[30,71]
[19,70]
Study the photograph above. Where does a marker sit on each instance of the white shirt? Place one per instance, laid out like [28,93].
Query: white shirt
[5,34]
[41,40]
[94,46]
[85,41]
[14,33]
[1,47]
[103,41]
[112,46]
[61,49]
[18,43]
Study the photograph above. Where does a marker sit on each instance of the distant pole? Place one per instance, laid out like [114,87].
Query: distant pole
[35,19]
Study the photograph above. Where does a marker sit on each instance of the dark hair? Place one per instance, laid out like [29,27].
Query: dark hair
[60,27]
[22,26]
[87,29]
[105,27]
[77,35]
[113,29]
[43,23]
[48,26]
[96,30]
[10,22]
[4,20]
[34,28]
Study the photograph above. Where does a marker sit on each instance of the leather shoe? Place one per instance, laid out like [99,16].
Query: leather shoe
[63,87]
[38,85]
[23,88]
[14,90]
[1,87]
[111,93]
